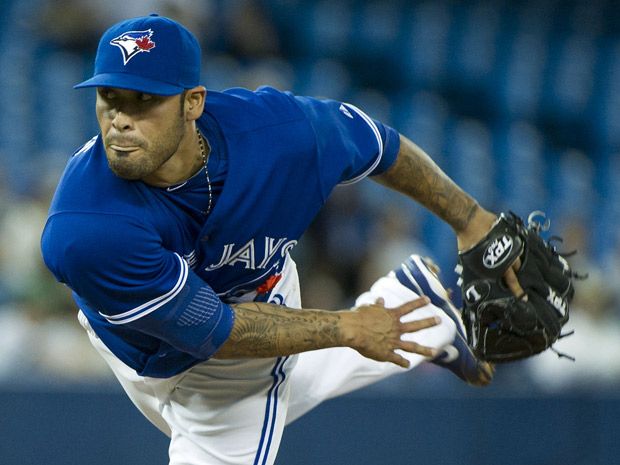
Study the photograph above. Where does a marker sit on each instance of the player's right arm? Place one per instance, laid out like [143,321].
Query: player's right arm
[267,330]
[119,268]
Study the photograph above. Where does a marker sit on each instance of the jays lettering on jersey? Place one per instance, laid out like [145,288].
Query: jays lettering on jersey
[151,275]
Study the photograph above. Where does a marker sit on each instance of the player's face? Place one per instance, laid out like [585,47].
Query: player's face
[140,131]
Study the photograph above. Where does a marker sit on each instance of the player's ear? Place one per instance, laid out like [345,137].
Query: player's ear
[195,102]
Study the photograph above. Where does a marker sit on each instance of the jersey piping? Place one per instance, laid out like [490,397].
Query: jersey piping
[153,304]
[377,134]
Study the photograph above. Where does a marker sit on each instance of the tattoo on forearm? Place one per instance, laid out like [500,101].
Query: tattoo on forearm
[266,330]
[414,173]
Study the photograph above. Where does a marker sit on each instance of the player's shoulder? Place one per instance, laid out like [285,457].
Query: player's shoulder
[93,213]
[263,97]
[81,159]
[80,162]
[72,241]
[245,110]
[86,147]
[88,185]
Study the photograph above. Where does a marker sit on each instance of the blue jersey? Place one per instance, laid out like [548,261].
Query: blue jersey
[153,274]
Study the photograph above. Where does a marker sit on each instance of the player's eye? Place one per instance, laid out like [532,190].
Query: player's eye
[145,97]
[107,93]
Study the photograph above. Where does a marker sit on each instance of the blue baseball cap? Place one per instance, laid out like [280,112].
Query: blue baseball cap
[151,54]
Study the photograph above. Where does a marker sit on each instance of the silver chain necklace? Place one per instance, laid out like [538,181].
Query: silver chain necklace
[204,163]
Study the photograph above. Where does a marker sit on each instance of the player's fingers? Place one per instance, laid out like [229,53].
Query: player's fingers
[488,371]
[415,348]
[410,306]
[380,301]
[510,277]
[398,360]
[417,325]
[485,374]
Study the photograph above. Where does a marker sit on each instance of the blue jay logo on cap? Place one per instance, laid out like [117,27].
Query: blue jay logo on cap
[133,42]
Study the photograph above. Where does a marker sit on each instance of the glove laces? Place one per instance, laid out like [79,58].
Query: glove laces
[563,354]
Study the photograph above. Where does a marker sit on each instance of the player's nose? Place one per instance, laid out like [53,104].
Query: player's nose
[121,121]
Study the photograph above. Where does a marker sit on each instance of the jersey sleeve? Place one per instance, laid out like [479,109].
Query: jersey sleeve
[121,270]
[350,144]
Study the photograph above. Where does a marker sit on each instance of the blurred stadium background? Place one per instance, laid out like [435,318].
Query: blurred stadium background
[518,101]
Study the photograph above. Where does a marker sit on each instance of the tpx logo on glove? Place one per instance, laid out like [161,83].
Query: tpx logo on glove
[558,302]
[497,252]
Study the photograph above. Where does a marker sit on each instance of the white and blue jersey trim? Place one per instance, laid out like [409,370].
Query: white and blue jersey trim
[152,305]
[377,134]
[87,146]
[271,412]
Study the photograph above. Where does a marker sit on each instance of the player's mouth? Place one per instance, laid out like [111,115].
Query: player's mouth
[124,148]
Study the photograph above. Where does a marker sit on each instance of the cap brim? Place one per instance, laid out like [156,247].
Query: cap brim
[131,82]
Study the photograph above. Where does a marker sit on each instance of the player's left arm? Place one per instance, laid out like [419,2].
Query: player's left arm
[350,146]
[415,174]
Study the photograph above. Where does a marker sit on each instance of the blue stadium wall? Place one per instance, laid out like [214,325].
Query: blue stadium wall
[92,428]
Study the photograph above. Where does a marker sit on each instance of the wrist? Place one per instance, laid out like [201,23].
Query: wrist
[347,324]
[476,229]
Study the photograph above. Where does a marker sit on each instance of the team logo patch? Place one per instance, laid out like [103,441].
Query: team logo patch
[497,252]
[133,42]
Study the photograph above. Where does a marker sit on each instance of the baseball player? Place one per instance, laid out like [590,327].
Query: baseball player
[173,228]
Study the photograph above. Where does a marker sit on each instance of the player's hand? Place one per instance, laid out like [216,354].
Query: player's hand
[476,230]
[510,278]
[375,331]
[485,374]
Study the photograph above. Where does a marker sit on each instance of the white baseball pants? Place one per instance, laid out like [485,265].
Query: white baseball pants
[233,412]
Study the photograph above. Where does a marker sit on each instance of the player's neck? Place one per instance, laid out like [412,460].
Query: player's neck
[184,164]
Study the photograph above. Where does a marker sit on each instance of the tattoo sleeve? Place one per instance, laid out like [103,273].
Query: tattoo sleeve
[267,330]
[415,174]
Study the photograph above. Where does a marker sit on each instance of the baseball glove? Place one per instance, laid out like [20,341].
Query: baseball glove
[502,327]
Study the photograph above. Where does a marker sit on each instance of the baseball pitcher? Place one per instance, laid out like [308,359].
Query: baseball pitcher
[173,228]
